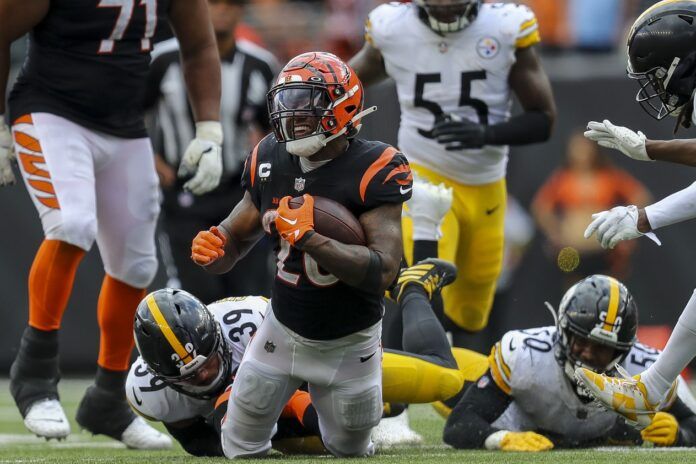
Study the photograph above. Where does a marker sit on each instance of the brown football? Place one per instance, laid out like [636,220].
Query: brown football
[333,220]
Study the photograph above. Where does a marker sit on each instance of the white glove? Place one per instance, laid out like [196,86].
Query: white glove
[617,224]
[204,157]
[7,154]
[427,207]
[631,144]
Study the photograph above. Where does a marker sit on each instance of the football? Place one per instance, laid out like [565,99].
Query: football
[334,221]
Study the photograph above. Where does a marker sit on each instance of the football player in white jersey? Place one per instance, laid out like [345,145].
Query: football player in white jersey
[662,58]
[190,352]
[528,399]
[456,64]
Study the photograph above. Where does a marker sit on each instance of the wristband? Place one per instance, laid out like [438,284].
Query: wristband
[209,130]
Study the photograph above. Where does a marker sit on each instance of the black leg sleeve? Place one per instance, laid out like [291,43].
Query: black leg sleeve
[422,332]
[470,422]
[198,438]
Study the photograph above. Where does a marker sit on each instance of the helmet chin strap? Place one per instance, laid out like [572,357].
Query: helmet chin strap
[309,146]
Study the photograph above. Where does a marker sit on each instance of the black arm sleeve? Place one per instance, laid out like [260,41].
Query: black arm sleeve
[470,422]
[198,438]
[525,128]
[687,423]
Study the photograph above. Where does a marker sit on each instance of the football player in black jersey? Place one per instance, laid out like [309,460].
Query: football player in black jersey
[78,131]
[325,323]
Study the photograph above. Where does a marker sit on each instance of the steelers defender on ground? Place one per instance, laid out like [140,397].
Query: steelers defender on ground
[79,135]
[456,64]
[662,59]
[324,325]
[189,398]
[528,399]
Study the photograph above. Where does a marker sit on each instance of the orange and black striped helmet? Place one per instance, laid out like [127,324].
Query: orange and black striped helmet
[316,93]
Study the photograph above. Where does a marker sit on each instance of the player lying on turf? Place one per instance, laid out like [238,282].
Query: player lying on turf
[528,399]
[187,397]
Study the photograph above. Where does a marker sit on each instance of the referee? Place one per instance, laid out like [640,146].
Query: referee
[247,72]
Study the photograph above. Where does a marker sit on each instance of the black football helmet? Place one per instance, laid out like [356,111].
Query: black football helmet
[444,16]
[601,309]
[176,334]
[662,58]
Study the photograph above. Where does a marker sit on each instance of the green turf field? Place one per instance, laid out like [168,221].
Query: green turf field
[16,445]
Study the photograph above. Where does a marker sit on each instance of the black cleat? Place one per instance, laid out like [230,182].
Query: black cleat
[431,274]
[103,412]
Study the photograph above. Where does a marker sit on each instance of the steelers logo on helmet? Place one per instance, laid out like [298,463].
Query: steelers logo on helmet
[316,99]
[444,16]
[181,343]
[597,325]
[662,57]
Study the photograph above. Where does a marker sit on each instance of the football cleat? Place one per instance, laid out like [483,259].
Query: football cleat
[427,208]
[103,412]
[395,431]
[46,419]
[432,274]
[140,435]
[625,395]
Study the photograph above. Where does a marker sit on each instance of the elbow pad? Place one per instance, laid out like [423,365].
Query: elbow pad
[373,275]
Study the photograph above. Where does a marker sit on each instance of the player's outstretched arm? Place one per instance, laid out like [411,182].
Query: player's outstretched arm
[371,268]
[217,250]
[368,64]
[680,151]
[17,18]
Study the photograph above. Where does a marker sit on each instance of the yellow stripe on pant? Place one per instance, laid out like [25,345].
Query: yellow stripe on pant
[473,240]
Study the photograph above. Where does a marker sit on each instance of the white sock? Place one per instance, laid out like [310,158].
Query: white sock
[680,350]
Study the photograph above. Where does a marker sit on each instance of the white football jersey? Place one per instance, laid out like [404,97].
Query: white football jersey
[239,317]
[463,73]
[523,365]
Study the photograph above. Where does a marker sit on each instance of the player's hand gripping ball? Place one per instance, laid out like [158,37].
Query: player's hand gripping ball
[208,246]
[293,223]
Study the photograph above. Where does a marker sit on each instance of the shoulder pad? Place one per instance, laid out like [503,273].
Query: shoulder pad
[382,25]
[388,179]
[639,358]
[145,393]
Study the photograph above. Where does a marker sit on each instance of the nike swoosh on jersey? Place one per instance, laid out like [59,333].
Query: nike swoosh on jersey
[365,358]
[405,191]
[292,223]
[137,400]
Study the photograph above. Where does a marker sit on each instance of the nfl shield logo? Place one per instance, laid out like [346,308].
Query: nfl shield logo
[299,183]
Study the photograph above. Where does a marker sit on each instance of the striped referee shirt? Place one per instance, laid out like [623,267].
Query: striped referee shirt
[247,72]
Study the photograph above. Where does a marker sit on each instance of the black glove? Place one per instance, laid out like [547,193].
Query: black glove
[459,135]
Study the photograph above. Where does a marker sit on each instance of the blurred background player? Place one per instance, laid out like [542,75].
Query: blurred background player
[316,108]
[528,398]
[166,384]
[247,71]
[587,182]
[79,134]
[455,71]
[661,58]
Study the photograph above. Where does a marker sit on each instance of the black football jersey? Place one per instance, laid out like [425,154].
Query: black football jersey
[307,299]
[88,62]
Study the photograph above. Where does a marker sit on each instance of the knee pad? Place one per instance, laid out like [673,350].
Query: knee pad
[361,411]
[256,392]
[138,273]
[79,230]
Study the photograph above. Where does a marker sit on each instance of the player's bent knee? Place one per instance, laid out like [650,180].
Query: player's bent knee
[256,392]
[79,230]
[361,411]
[138,273]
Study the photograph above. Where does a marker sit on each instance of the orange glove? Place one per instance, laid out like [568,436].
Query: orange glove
[293,224]
[208,246]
